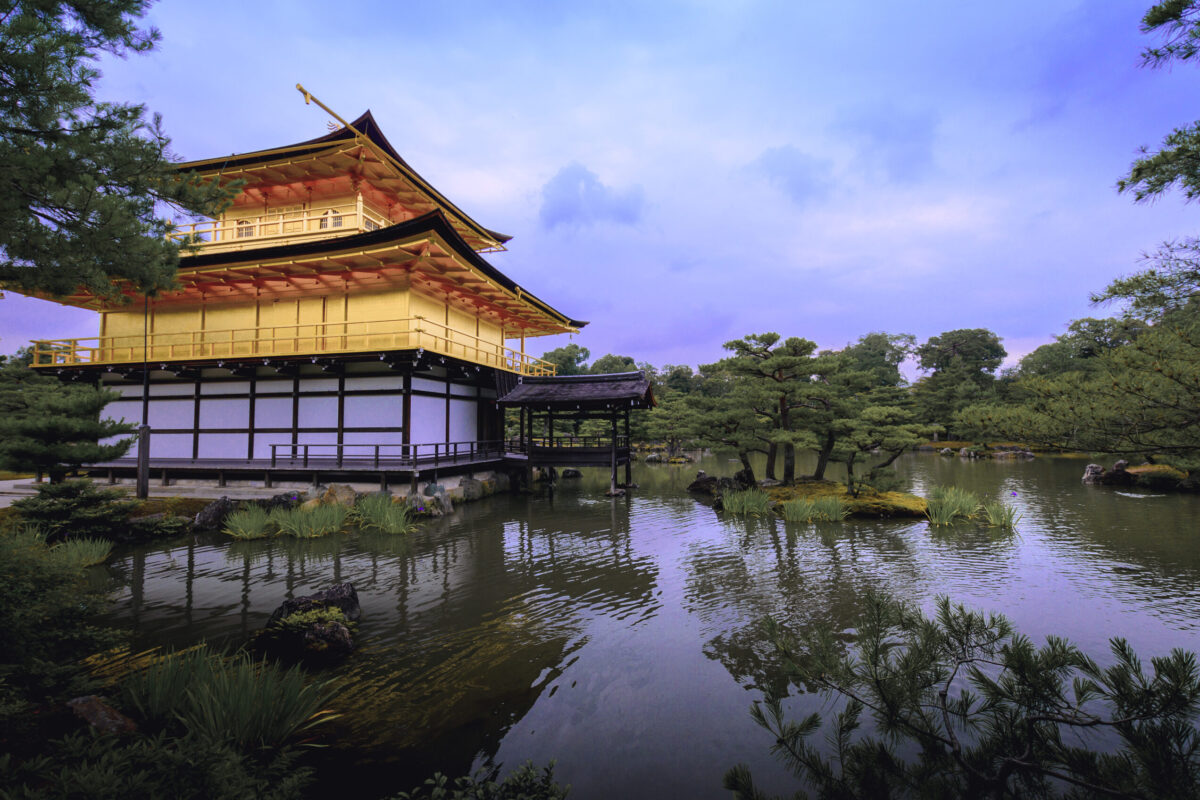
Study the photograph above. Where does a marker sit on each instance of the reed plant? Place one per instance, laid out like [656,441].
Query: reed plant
[818,509]
[82,552]
[750,502]
[320,521]
[1001,515]
[799,509]
[249,522]
[947,505]
[378,512]
[250,705]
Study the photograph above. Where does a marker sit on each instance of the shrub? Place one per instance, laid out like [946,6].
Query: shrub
[964,707]
[249,522]
[94,765]
[750,502]
[378,512]
[248,704]
[77,509]
[525,783]
[47,620]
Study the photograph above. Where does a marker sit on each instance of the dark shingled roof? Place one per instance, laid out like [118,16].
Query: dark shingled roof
[584,392]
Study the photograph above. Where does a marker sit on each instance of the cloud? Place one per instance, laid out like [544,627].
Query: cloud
[898,143]
[798,175]
[575,196]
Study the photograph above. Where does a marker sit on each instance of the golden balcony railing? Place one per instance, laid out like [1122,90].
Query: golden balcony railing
[317,338]
[219,235]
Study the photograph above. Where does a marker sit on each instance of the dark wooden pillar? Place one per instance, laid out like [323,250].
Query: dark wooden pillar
[612,484]
[628,454]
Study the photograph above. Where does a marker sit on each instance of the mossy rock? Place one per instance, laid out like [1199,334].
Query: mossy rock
[171,506]
[1160,477]
[869,502]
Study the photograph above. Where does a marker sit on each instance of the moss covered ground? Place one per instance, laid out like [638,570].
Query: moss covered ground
[869,502]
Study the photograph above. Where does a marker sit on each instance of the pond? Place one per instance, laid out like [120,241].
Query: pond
[621,638]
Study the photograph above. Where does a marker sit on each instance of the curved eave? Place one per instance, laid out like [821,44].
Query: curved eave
[433,226]
[369,128]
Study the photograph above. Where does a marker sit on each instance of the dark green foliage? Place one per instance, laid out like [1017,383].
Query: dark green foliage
[47,621]
[525,783]
[960,706]
[570,360]
[609,363]
[961,366]
[250,705]
[81,178]
[48,426]
[76,508]
[93,765]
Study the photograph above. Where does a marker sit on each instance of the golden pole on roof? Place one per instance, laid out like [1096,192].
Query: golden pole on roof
[309,99]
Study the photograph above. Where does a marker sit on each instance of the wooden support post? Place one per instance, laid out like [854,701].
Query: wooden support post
[221,478]
[143,463]
[628,454]
[612,484]
[267,479]
[111,478]
[383,482]
[165,481]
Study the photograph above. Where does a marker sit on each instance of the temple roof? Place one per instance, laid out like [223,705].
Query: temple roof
[583,392]
[312,158]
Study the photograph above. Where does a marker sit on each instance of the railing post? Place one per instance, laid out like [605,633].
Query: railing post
[376,456]
[273,456]
[306,455]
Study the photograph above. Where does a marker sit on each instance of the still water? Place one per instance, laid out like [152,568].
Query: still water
[621,638]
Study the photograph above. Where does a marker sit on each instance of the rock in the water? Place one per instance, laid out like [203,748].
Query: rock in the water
[571,472]
[945,451]
[503,482]
[100,715]
[339,494]
[654,458]
[744,479]
[329,639]
[1097,475]
[471,489]
[284,500]
[1092,474]
[712,486]
[212,516]
[341,596]
[310,504]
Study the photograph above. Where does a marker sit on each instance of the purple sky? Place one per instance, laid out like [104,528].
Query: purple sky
[685,173]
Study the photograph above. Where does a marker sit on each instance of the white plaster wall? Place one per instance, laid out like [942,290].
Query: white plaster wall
[128,410]
[226,387]
[222,445]
[462,391]
[272,412]
[427,385]
[317,412]
[394,382]
[273,387]
[463,421]
[374,411]
[224,413]
[263,442]
[318,384]
[165,389]
[172,414]
[428,420]
[167,445]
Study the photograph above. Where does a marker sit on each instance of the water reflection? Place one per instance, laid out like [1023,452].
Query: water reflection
[538,627]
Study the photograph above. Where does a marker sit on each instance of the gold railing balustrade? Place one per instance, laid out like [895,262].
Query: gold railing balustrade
[216,235]
[317,338]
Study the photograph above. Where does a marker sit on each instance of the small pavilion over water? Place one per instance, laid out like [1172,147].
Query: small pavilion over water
[544,400]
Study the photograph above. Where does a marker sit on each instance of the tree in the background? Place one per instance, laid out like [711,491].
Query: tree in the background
[52,427]
[570,359]
[81,178]
[723,417]
[1177,162]
[881,354]
[609,364]
[961,365]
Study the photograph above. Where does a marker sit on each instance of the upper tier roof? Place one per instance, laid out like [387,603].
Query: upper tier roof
[360,150]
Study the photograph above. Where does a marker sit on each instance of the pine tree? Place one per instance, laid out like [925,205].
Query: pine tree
[79,178]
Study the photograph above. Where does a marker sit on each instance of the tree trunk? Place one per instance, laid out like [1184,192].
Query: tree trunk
[823,456]
[789,463]
[771,448]
[744,457]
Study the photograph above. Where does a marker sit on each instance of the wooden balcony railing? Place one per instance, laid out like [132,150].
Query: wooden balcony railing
[410,333]
[280,228]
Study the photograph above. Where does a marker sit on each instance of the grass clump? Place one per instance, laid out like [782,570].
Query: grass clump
[320,521]
[750,502]
[249,522]
[302,620]
[378,512]
[947,505]
[1000,515]
[82,552]
[828,508]
[250,705]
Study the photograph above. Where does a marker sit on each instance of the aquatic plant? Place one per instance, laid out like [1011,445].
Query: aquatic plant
[320,521]
[750,502]
[246,703]
[946,505]
[828,508]
[82,552]
[249,522]
[379,512]
[1000,515]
